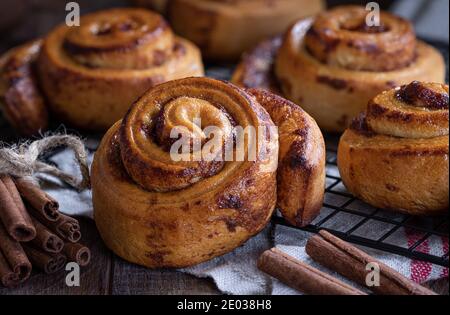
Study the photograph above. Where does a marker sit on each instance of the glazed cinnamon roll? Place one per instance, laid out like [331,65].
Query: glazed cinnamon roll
[158,209]
[90,74]
[395,155]
[334,64]
[225,29]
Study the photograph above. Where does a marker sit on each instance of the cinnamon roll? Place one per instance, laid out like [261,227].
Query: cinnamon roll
[20,99]
[225,29]
[256,68]
[395,155]
[90,74]
[158,209]
[332,65]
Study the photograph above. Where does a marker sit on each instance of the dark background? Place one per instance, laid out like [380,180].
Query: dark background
[22,20]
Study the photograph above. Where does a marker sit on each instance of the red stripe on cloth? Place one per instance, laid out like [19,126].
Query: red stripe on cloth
[420,270]
[444,273]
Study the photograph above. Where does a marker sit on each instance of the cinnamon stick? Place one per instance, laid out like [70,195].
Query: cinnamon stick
[65,227]
[49,263]
[7,277]
[77,253]
[15,267]
[46,240]
[38,199]
[301,276]
[13,213]
[351,263]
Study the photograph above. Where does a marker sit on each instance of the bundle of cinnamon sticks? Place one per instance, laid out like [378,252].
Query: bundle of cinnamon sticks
[343,258]
[33,233]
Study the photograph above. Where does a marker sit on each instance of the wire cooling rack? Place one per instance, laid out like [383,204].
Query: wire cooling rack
[359,223]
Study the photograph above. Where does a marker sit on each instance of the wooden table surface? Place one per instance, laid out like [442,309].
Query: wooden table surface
[107,273]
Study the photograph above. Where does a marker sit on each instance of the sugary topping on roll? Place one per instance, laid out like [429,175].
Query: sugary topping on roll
[341,37]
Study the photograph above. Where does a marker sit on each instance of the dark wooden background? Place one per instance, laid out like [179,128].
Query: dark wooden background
[22,20]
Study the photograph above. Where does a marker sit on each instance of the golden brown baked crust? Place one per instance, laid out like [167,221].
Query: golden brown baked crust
[256,67]
[341,37]
[164,226]
[395,156]
[334,64]
[130,51]
[301,159]
[91,74]
[334,76]
[20,98]
[225,29]
[400,112]
[157,212]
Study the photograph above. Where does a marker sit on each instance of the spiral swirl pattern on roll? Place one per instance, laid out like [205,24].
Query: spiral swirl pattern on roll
[90,74]
[101,38]
[146,131]
[395,155]
[333,64]
[342,38]
[119,53]
[156,211]
[416,110]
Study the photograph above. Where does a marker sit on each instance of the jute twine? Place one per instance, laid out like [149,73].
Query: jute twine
[23,160]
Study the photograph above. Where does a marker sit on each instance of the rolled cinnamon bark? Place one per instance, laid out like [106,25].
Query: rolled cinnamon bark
[49,263]
[301,276]
[13,260]
[38,199]
[351,262]
[12,212]
[46,240]
[65,227]
[7,277]
[77,253]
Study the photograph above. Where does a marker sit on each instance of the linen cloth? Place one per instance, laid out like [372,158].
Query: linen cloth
[237,273]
